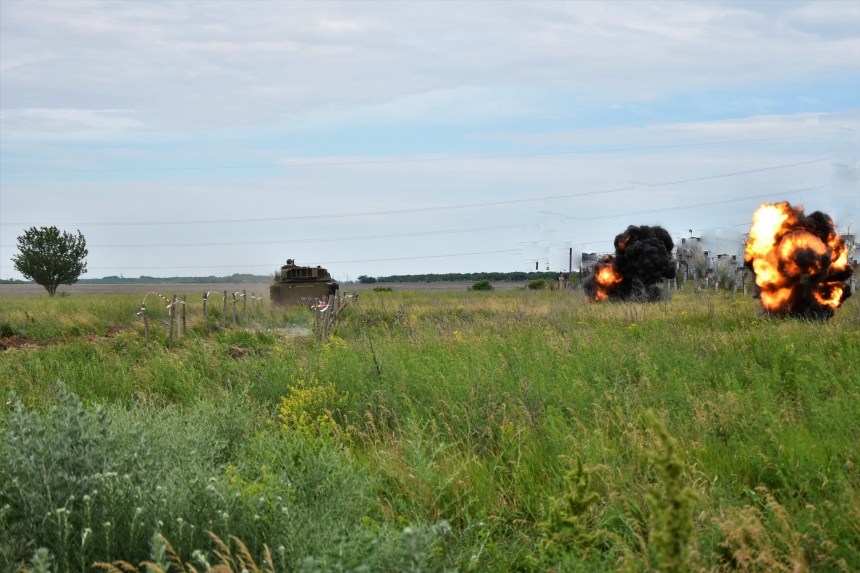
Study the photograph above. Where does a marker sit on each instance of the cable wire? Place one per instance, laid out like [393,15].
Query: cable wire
[453,231]
[708,204]
[322,263]
[440,208]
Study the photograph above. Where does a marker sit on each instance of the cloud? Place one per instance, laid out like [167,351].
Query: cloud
[226,64]
[60,122]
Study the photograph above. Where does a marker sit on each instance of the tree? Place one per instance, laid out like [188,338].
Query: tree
[51,258]
[364,279]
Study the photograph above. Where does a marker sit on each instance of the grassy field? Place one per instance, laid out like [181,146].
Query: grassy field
[513,431]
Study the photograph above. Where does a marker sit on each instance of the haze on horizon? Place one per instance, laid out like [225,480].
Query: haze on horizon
[184,138]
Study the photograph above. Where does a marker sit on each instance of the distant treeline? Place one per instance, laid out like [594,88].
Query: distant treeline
[144,280]
[14,282]
[449,277]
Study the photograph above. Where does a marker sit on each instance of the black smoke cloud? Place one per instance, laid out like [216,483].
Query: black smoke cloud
[642,259]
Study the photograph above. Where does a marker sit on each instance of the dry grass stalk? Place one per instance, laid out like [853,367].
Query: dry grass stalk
[755,546]
[227,565]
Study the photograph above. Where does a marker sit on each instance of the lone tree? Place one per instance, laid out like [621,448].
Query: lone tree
[51,258]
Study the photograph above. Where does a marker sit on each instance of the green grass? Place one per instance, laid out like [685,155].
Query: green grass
[442,437]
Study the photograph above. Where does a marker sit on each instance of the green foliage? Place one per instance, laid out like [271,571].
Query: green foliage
[539,284]
[464,413]
[566,527]
[366,280]
[51,258]
[41,561]
[383,289]
[518,276]
[90,485]
[7,330]
[672,529]
[483,285]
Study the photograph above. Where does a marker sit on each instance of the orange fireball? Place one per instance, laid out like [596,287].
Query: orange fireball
[606,278]
[800,262]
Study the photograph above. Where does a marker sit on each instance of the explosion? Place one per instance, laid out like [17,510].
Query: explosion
[642,259]
[800,262]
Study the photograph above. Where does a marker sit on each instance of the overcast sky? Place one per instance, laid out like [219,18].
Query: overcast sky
[407,137]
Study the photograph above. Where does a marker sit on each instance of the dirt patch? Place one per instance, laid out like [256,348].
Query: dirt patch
[236,352]
[21,341]
[16,341]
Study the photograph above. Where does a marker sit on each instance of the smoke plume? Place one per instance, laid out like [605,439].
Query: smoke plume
[642,259]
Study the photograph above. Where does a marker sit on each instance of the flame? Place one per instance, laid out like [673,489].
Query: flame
[799,265]
[606,278]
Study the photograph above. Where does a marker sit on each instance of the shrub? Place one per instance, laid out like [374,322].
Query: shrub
[482,285]
[383,289]
[79,487]
[539,284]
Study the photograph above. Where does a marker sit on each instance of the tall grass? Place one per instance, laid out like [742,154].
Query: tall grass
[445,431]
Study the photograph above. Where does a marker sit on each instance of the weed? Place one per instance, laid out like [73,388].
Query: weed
[565,527]
[672,529]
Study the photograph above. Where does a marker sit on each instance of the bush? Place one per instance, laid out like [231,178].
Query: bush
[482,285]
[539,284]
[79,486]
[383,289]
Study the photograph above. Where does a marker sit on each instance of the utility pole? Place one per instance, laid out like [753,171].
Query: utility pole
[570,270]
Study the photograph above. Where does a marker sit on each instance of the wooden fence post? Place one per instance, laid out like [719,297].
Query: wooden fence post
[172,319]
[234,309]
[224,311]
[245,306]
[205,300]
[184,330]
[145,323]
[327,315]
[316,324]
[253,302]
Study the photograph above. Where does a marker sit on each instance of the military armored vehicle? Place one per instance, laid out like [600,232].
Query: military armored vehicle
[301,285]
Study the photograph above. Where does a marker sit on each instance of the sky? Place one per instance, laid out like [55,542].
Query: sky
[379,138]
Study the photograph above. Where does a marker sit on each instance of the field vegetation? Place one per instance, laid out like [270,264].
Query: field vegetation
[475,431]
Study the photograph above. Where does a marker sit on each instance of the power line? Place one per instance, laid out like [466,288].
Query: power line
[322,240]
[416,160]
[453,231]
[708,204]
[440,208]
[322,263]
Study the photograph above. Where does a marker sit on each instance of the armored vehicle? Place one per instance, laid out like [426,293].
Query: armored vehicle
[301,285]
